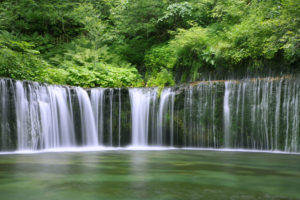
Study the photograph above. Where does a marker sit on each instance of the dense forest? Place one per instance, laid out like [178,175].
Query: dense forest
[134,43]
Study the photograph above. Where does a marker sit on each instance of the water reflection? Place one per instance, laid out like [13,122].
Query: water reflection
[139,173]
[176,174]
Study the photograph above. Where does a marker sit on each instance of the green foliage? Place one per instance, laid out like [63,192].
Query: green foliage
[192,51]
[246,36]
[177,15]
[18,60]
[230,11]
[159,57]
[162,79]
[55,76]
[113,43]
[107,77]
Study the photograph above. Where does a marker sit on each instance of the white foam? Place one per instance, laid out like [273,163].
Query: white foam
[140,148]
[241,150]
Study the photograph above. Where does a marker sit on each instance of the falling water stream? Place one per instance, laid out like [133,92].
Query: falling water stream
[140,100]
[260,114]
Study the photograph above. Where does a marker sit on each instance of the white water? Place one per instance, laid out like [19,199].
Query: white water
[227,120]
[163,106]
[251,114]
[97,102]
[111,98]
[88,127]
[140,108]
[43,116]
[5,114]
[142,148]
[120,116]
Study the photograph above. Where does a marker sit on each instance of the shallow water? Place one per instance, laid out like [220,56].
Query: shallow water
[171,174]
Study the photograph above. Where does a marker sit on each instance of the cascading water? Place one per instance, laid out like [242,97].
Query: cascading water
[227,121]
[88,126]
[262,121]
[43,116]
[163,106]
[111,98]
[140,108]
[7,128]
[172,119]
[97,102]
[54,106]
[119,119]
[261,114]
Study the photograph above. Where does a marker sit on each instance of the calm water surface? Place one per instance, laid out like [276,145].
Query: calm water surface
[153,175]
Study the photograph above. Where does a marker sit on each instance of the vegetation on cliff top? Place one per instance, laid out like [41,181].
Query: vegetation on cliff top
[132,43]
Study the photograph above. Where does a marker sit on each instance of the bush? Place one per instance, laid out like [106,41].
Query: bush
[162,79]
[103,77]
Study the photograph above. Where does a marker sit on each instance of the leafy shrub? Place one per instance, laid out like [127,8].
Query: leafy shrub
[159,57]
[162,79]
[18,60]
[103,77]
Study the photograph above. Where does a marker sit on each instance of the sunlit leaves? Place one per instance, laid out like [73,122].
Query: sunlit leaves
[113,43]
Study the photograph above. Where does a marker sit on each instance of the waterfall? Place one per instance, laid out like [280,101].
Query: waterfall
[295,120]
[22,113]
[108,114]
[140,108]
[6,127]
[120,115]
[163,105]
[227,121]
[277,113]
[43,115]
[62,116]
[205,115]
[111,98]
[97,102]
[165,118]
[260,114]
[268,117]
[88,122]
[172,119]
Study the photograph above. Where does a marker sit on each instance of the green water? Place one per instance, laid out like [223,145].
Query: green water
[175,174]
